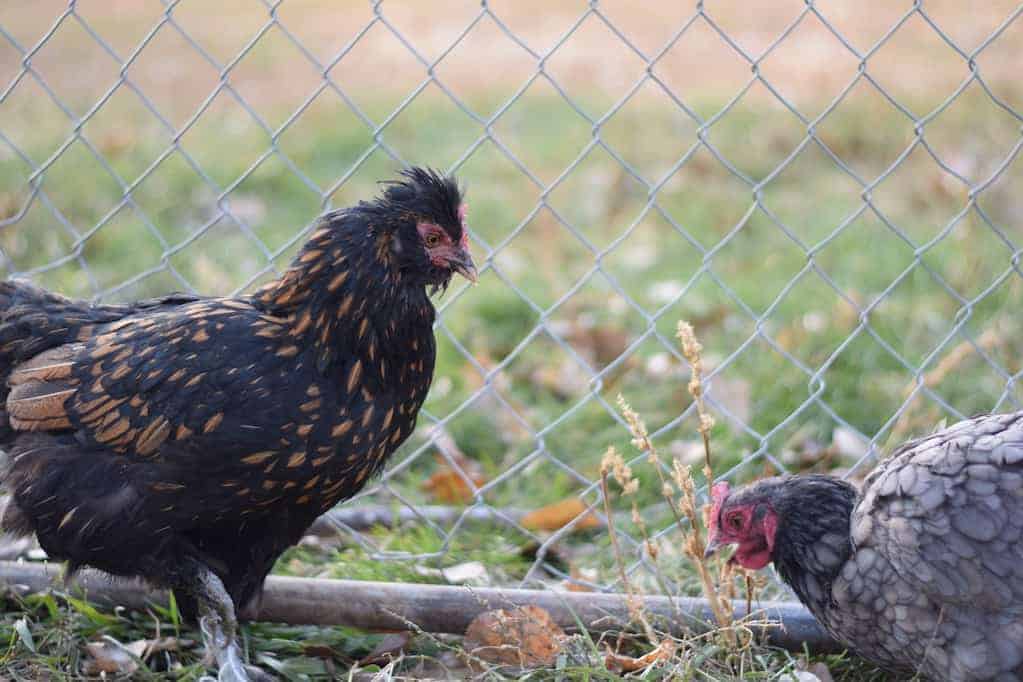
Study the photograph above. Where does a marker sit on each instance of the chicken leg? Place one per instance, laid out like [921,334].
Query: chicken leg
[219,627]
[217,620]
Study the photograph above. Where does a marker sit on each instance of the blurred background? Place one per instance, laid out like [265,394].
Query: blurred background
[828,192]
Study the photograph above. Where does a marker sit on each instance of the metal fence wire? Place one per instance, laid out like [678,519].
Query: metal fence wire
[44,237]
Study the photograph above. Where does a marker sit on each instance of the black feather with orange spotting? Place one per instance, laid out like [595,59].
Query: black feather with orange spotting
[220,428]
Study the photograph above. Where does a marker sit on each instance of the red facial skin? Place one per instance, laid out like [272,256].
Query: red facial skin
[734,524]
[441,249]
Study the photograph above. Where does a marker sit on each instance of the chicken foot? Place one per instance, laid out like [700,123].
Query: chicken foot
[218,624]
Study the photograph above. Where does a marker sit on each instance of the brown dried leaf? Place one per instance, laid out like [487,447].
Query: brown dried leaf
[627,664]
[318,651]
[577,575]
[560,514]
[115,143]
[525,636]
[113,657]
[10,204]
[449,485]
[387,649]
[155,646]
[602,344]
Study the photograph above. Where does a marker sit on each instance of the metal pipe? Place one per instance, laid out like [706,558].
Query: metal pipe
[437,608]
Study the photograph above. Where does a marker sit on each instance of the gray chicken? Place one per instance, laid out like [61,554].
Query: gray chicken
[922,570]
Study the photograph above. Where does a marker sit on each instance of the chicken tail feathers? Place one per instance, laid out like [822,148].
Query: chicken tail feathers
[32,321]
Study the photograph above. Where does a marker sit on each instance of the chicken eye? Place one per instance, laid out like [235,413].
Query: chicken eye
[734,522]
[432,240]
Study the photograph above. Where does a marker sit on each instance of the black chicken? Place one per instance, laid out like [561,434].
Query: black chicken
[191,440]
[921,571]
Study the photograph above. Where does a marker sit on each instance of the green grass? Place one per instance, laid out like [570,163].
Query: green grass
[746,278]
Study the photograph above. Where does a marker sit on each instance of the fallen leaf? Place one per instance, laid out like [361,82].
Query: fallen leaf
[578,575]
[456,474]
[25,634]
[110,656]
[148,647]
[627,664]
[564,381]
[576,587]
[525,636]
[553,558]
[605,344]
[318,651]
[447,485]
[558,515]
[117,142]
[387,649]
[10,204]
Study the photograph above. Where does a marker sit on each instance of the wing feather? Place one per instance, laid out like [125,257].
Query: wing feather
[143,382]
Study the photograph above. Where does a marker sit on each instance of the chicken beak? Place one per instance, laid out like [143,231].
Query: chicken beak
[463,265]
[712,547]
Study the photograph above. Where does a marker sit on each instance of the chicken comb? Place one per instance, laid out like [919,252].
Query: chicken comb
[718,494]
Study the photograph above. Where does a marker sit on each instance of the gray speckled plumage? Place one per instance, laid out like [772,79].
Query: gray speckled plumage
[937,539]
[922,571]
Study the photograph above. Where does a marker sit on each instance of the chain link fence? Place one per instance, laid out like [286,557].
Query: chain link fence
[844,305]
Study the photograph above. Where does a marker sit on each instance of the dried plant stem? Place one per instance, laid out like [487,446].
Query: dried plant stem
[692,351]
[612,463]
[641,440]
[694,547]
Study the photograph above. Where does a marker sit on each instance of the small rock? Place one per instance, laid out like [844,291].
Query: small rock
[804,676]
[657,365]
[848,444]
[686,451]
[815,322]
[469,573]
[665,292]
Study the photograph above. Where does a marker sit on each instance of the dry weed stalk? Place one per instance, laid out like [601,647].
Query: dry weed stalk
[693,546]
[684,508]
[614,466]
[623,474]
[688,514]
[692,351]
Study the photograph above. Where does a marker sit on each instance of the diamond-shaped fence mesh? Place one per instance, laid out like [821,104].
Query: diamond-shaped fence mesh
[829,193]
